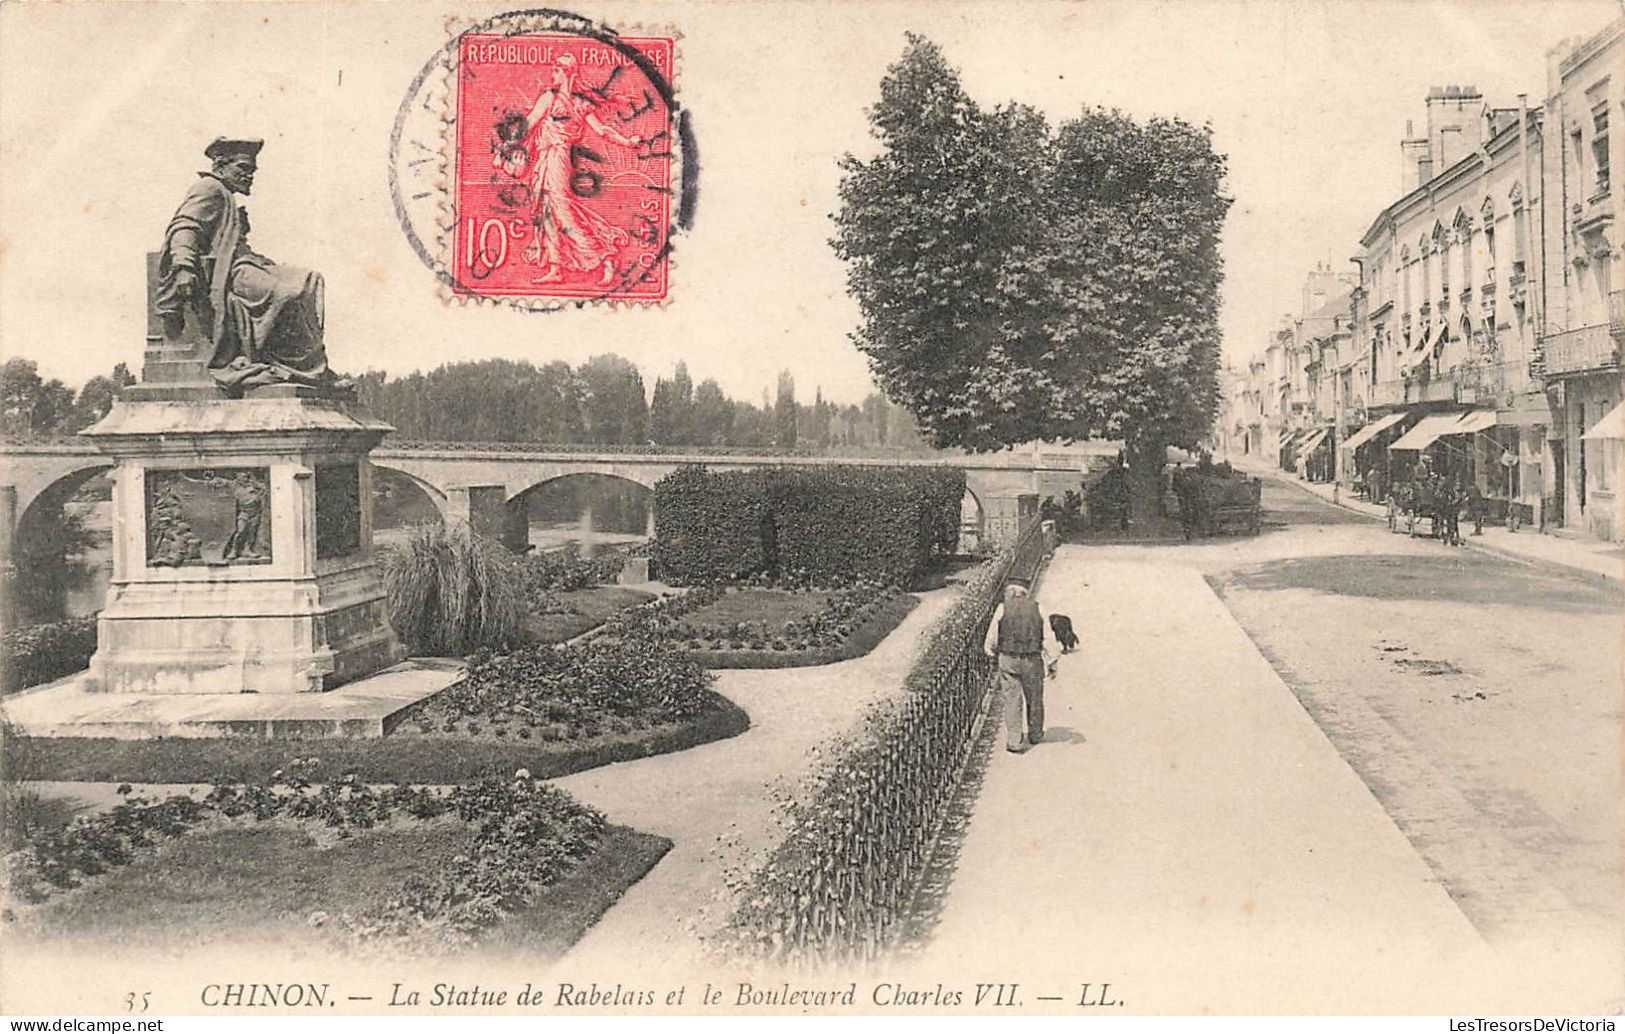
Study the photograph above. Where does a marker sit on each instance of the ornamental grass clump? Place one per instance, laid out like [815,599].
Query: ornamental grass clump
[452,592]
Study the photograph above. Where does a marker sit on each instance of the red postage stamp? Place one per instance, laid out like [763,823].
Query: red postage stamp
[563,167]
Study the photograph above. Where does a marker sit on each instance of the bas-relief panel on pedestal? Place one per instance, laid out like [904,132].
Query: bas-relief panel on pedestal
[210,516]
[338,510]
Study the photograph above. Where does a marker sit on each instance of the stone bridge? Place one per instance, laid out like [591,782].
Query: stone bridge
[476,481]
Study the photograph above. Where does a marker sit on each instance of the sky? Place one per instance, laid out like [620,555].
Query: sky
[105,110]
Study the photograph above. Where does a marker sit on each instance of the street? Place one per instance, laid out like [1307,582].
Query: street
[1478,699]
[1370,755]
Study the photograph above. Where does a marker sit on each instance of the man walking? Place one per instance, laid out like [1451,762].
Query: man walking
[1016,637]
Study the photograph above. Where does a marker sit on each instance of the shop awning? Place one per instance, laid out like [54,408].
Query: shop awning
[1371,430]
[1312,441]
[1474,421]
[1426,431]
[1611,426]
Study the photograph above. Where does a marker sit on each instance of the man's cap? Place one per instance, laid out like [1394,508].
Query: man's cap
[1018,583]
[225,147]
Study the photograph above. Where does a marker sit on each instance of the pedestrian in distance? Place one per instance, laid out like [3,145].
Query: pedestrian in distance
[1015,638]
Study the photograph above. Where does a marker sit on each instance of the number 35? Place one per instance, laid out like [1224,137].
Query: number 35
[130,1001]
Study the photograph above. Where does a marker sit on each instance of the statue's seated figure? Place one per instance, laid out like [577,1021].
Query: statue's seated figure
[263,319]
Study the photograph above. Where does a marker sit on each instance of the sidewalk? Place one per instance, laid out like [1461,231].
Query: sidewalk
[720,803]
[1589,557]
[1186,833]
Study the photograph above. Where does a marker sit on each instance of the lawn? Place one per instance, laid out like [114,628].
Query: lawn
[284,883]
[773,607]
[588,608]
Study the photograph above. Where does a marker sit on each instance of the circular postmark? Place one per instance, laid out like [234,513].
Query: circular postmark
[542,160]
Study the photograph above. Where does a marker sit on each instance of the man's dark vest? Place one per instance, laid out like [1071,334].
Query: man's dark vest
[1021,630]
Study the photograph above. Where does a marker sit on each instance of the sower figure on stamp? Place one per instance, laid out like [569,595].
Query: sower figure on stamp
[1016,637]
[568,232]
[264,319]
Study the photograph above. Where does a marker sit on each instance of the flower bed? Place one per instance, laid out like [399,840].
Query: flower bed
[592,688]
[518,836]
[573,612]
[801,626]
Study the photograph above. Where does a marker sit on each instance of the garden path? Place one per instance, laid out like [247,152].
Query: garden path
[715,801]
[1186,833]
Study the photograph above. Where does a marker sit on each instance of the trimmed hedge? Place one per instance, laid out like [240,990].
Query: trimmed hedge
[817,525]
[836,523]
[710,526]
[41,653]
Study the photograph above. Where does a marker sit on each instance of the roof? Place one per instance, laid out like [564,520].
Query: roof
[1335,306]
[1503,132]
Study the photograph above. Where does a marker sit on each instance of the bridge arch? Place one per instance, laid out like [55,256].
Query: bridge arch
[39,543]
[972,522]
[581,505]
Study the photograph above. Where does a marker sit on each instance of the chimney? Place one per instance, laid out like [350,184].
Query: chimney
[1455,124]
[1413,154]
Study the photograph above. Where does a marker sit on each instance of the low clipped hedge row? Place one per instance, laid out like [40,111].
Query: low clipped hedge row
[863,828]
[818,525]
[40,653]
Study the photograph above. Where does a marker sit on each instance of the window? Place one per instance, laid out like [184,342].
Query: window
[1489,250]
[1520,239]
[1465,233]
[1404,274]
[1599,146]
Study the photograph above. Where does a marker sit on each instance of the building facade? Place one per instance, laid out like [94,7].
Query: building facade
[1481,338]
[1446,322]
[1580,288]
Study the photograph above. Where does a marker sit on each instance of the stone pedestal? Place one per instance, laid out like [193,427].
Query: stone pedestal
[242,546]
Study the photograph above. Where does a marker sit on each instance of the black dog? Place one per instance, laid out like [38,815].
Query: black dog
[1061,625]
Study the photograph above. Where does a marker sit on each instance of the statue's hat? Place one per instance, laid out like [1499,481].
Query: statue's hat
[225,146]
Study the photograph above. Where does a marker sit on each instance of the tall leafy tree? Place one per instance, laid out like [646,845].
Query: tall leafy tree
[96,397]
[713,414]
[784,412]
[1018,284]
[30,404]
[934,227]
[1135,279]
[614,406]
[671,411]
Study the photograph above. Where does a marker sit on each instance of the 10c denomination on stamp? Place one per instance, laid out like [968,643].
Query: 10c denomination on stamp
[562,166]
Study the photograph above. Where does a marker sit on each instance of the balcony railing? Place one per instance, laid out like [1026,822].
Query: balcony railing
[1582,350]
[1399,392]
[1387,393]
[1482,383]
